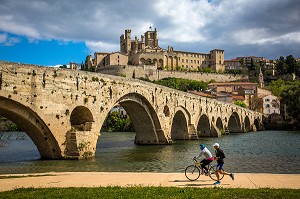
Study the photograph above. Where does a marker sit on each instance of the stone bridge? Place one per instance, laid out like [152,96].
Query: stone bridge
[63,110]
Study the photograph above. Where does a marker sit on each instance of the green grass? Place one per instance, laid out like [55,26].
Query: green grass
[149,192]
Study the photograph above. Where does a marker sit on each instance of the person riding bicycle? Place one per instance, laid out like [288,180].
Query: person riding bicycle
[208,157]
[220,160]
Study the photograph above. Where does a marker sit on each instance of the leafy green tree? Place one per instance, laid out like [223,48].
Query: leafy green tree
[287,65]
[291,64]
[116,122]
[290,96]
[277,87]
[182,84]
[240,103]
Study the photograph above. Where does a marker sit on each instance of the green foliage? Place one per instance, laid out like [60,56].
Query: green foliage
[182,84]
[123,75]
[240,103]
[150,192]
[95,79]
[276,87]
[11,127]
[234,72]
[63,66]
[291,97]
[287,65]
[118,123]
[205,69]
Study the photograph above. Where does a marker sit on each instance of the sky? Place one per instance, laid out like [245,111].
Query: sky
[56,32]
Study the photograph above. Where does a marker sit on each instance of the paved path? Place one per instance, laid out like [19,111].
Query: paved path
[96,179]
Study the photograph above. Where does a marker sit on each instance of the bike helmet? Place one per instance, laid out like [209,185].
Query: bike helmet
[202,146]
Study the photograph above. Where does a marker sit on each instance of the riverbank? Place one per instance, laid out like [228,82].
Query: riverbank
[123,179]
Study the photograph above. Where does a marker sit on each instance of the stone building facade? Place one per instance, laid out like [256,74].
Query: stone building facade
[146,51]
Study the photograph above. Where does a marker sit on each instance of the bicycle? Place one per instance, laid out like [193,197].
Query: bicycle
[194,171]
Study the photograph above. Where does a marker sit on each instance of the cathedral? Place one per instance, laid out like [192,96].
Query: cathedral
[146,51]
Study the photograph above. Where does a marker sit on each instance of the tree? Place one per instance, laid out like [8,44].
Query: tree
[277,87]
[182,84]
[291,64]
[240,103]
[256,104]
[287,65]
[116,122]
[291,98]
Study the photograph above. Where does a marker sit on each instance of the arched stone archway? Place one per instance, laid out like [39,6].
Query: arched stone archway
[175,62]
[256,124]
[247,124]
[155,62]
[203,127]
[160,63]
[234,123]
[142,61]
[179,130]
[144,118]
[219,124]
[170,63]
[81,119]
[33,126]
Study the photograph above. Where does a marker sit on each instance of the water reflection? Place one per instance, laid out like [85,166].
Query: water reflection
[261,152]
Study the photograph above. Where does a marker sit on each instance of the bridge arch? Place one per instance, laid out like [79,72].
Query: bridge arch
[219,123]
[81,118]
[181,119]
[144,118]
[247,124]
[256,124]
[203,127]
[234,123]
[32,124]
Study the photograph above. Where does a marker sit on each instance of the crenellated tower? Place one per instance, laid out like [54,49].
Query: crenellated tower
[125,42]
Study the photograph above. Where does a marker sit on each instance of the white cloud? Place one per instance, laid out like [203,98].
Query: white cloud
[58,65]
[98,46]
[185,19]
[9,24]
[185,23]
[260,36]
[5,40]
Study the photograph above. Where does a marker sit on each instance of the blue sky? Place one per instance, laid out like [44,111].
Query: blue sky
[43,52]
[58,32]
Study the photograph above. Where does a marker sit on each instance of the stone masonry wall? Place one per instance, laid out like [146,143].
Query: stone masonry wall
[151,73]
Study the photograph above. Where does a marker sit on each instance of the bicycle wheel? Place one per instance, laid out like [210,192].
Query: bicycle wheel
[212,173]
[192,172]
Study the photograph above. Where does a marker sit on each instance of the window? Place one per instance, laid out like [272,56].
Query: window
[267,105]
[183,60]
[187,61]
[267,100]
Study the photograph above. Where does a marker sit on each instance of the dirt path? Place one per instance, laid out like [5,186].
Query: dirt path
[96,179]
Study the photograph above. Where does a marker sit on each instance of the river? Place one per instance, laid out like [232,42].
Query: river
[254,152]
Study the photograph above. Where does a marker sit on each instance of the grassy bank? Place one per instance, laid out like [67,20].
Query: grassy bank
[149,192]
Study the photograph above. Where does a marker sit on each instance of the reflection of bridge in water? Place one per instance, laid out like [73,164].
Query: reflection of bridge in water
[63,110]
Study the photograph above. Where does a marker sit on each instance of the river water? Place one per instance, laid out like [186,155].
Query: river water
[254,152]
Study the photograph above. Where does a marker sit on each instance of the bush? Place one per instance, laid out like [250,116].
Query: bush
[182,84]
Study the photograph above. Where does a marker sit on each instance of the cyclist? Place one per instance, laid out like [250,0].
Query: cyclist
[208,157]
[220,160]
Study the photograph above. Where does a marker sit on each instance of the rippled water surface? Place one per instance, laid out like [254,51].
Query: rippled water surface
[255,152]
